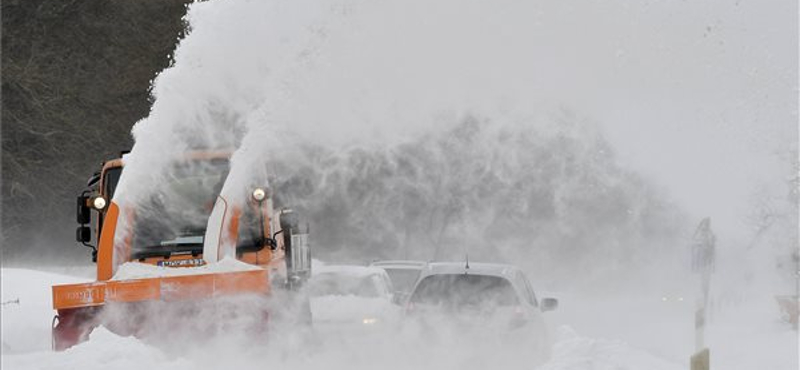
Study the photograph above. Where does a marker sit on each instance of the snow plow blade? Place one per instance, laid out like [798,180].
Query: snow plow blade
[79,305]
[167,288]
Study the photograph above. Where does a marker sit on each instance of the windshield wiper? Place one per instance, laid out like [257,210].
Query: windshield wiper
[183,240]
[168,250]
[190,245]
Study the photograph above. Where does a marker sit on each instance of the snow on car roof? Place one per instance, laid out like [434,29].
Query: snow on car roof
[477,268]
[351,270]
[399,264]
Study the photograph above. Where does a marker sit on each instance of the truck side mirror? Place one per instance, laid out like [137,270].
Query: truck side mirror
[93,180]
[83,215]
[289,220]
[83,234]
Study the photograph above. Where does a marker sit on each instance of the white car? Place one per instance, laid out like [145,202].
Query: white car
[481,297]
[351,295]
[404,275]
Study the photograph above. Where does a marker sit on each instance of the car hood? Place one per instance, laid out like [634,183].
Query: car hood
[350,308]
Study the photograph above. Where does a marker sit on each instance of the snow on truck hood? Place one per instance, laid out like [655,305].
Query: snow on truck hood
[137,270]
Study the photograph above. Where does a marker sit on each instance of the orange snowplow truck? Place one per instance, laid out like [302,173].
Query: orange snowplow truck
[168,248]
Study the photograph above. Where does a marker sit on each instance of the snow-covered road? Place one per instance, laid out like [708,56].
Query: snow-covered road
[587,335]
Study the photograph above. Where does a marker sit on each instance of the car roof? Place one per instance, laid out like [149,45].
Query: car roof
[349,270]
[475,268]
[405,264]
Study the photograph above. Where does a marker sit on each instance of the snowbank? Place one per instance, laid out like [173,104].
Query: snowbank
[575,352]
[104,350]
[742,337]
[27,311]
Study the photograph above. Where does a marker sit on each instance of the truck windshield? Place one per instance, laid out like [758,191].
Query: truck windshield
[111,180]
[173,219]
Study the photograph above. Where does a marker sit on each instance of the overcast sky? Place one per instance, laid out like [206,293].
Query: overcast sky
[700,95]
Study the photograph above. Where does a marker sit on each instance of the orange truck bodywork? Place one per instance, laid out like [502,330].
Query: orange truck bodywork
[78,304]
[166,288]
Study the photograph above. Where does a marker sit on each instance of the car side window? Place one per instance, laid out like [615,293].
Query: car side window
[380,284]
[520,283]
[531,295]
[387,282]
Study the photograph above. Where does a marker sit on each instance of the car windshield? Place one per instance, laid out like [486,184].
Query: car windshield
[173,219]
[459,290]
[326,284]
[403,279]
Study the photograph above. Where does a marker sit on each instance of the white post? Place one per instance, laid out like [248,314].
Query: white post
[703,258]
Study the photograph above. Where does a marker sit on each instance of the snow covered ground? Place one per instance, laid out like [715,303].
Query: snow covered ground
[27,309]
[618,333]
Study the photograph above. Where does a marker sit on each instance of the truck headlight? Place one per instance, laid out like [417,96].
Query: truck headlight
[259,194]
[99,203]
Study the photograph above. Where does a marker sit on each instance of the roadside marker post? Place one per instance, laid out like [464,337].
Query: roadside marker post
[703,259]
[700,360]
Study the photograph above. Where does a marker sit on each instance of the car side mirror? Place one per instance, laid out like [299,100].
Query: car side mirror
[549,304]
[83,215]
[83,234]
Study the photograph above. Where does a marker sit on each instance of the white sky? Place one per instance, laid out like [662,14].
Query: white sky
[702,96]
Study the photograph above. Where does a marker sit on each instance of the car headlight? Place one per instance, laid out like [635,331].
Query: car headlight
[369,321]
[99,203]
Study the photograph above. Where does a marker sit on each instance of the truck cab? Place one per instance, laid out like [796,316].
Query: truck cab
[183,224]
[169,227]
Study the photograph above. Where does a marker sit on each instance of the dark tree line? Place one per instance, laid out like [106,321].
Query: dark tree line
[75,78]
